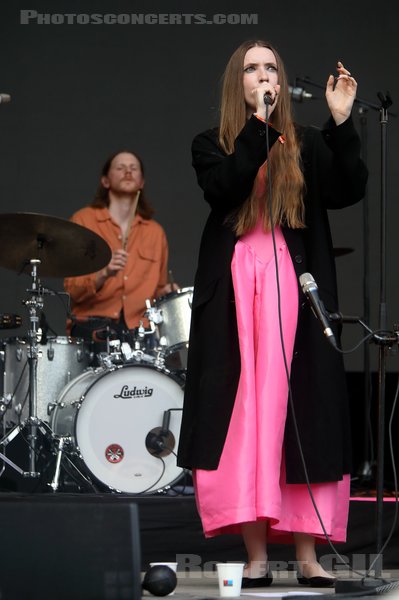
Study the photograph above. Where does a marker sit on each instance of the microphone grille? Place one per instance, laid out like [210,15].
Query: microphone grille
[307,282]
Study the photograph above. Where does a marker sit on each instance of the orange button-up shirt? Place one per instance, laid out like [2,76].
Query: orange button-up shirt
[144,275]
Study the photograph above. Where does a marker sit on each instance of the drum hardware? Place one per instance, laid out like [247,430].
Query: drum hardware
[5,402]
[159,351]
[153,315]
[26,235]
[143,333]
[62,440]
[121,353]
[62,448]
[10,321]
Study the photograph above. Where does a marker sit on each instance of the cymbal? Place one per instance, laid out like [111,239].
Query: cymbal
[342,251]
[64,249]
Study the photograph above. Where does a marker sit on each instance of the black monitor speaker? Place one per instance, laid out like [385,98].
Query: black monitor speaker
[69,550]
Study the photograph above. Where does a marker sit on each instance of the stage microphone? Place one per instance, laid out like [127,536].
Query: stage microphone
[310,289]
[267,99]
[298,94]
[165,423]
[5,98]
[160,441]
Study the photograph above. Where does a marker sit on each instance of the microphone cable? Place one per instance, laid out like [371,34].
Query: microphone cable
[149,488]
[286,368]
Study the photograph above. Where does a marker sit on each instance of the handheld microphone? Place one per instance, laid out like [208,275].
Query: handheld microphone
[298,94]
[310,289]
[267,99]
[5,98]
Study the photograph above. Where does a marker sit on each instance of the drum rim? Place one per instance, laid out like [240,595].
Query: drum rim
[175,293]
[161,369]
[63,340]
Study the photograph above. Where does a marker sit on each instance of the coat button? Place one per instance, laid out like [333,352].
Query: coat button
[298,259]
[262,132]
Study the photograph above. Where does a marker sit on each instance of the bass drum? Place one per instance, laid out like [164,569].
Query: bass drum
[125,425]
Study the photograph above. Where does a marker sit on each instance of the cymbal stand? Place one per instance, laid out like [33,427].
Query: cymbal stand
[32,423]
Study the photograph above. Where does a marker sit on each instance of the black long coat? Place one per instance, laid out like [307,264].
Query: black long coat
[335,177]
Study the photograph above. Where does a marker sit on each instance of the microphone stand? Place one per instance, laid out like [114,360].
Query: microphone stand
[385,339]
[365,470]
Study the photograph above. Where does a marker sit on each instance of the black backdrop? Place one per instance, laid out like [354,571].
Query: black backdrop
[80,92]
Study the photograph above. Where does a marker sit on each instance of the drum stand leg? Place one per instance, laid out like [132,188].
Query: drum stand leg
[63,443]
[34,428]
[55,482]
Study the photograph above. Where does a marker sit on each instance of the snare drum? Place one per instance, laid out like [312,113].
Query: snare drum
[174,326]
[59,360]
[114,417]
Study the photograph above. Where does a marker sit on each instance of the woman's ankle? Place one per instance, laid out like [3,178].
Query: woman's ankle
[256,568]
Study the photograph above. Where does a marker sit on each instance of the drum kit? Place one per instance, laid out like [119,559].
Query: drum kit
[115,426]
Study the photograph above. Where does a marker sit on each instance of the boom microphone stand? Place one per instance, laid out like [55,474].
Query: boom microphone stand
[384,339]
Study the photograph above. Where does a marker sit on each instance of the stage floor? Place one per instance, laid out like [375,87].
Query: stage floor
[204,585]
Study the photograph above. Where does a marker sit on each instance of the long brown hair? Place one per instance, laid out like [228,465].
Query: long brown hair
[284,159]
[101,199]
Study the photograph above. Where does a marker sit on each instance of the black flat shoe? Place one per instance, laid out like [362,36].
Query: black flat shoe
[316,581]
[257,582]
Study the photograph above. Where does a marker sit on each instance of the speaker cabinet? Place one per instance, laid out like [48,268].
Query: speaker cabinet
[64,550]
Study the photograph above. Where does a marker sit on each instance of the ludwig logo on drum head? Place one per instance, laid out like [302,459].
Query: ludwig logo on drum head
[114,453]
[135,392]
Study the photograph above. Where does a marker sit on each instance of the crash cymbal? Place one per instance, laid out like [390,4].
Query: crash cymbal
[342,251]
[64,249]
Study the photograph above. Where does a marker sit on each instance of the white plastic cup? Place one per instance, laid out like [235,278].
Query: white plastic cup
[171,565]
[230,579]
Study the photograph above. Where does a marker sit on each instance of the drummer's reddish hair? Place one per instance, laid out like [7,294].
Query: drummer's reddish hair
[101,198]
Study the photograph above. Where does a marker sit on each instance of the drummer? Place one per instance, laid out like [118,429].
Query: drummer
[114,298]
